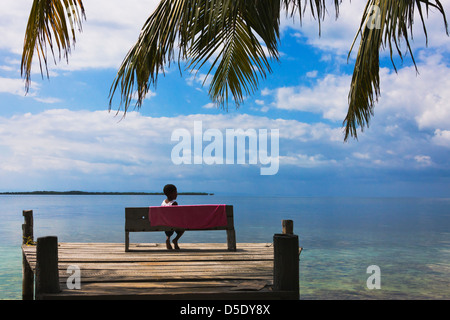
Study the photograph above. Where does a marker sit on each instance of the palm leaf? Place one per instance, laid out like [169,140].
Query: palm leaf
[153,50]
[240,58]
[231,33]
[317,7]
[50,22]
[227,29]
[395,24]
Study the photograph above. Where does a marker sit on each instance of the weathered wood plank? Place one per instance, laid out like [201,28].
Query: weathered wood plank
[104,253]
[197,271]
[132,293]
[149,277]
[178,257]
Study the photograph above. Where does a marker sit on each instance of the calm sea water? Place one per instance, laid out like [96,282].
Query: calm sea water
[409,239]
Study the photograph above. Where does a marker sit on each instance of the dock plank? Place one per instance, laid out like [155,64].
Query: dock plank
[150,271]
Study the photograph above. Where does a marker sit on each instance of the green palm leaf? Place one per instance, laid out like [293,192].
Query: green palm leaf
[50,22]
[227,30]
[238,37]
[385,23]
[240,57]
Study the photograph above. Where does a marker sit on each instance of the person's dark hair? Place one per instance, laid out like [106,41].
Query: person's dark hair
[168,189]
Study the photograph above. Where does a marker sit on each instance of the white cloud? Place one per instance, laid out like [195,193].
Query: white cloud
[423,160]
[94,146]
[405,96]
[327,97]
[59,142]
[312,74]
[306,161]
[111,28]
[337,35]
[359,155]
[198,79]
[48,100]
[14,17]
[7,68]
[209,105]
[441,138]
[150,94]
[434,22]
[13,86]
[79,149]
[17,87]
[265,92]
[421,98]
[88,142]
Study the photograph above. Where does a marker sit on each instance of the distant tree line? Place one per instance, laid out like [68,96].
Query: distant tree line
[99,193]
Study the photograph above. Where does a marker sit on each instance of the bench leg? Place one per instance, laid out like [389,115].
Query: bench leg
[127,241]
[231,240]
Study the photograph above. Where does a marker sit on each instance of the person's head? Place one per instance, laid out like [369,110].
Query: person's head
[170,191]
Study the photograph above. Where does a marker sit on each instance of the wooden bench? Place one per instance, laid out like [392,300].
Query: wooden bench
[137,220]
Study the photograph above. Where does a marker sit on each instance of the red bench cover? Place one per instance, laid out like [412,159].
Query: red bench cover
[189,217]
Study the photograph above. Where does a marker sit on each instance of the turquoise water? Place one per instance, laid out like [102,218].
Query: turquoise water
[408,238]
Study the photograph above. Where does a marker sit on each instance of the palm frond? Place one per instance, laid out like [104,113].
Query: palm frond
[238,37]
[318,9]
[226,32]
[153,50]
[394,24]
[240,57]
[51,22]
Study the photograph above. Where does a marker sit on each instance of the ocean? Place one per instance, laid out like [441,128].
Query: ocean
[408,239]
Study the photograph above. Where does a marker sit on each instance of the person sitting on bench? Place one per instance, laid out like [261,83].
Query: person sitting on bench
[171,193]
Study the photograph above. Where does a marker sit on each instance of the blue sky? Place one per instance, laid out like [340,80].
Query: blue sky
[60,136]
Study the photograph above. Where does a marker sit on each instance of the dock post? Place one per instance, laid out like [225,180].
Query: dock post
[47,274]
[127,241]
[27,273]
[231,234]
[27,227]
[286,262]
[288,226]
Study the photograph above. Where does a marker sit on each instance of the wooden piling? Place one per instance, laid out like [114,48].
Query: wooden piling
[286,260]
[231,234]
[27,272]
[47,276]
[27,227]
[288,226]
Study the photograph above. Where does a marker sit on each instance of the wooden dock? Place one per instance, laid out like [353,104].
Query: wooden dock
[199,271]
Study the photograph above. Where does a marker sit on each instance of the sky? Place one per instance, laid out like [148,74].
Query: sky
[61,135]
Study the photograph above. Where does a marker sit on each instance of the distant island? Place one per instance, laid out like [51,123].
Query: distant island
[102,193]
